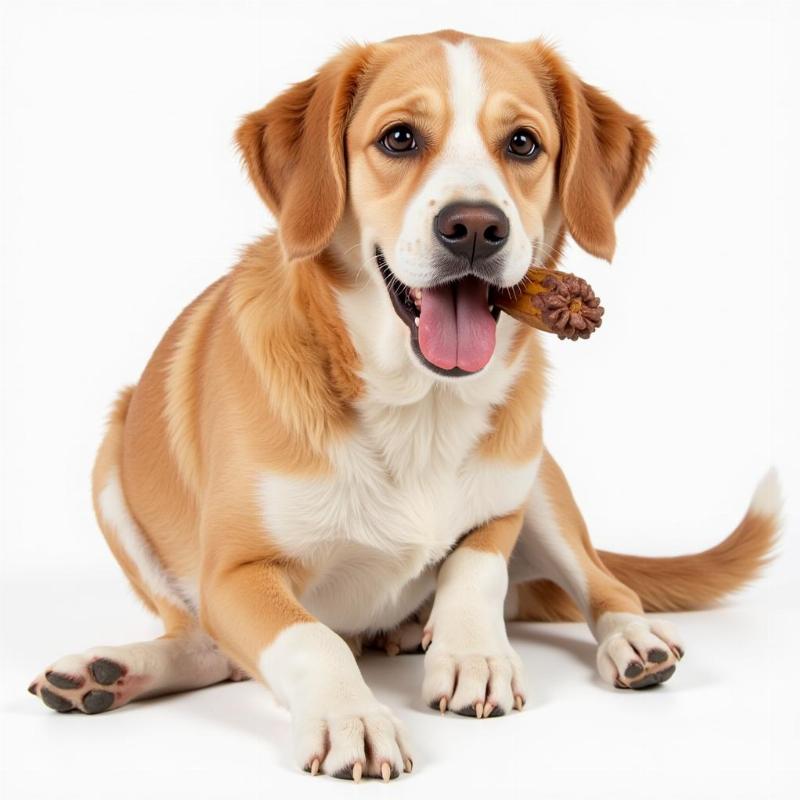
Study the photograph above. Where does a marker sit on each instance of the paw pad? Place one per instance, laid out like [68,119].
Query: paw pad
[637,652]
[657,656]
[62,681]
[81,683]
[97,700]
[55,701]
[105,671]
[633,669]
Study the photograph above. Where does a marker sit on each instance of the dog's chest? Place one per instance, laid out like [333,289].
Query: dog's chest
[406,485]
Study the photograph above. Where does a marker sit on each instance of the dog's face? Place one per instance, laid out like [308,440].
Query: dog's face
[441,167]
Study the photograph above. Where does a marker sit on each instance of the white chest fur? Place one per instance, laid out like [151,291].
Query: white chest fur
[406,486]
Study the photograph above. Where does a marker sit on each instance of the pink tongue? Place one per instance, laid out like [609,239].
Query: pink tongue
[456,328]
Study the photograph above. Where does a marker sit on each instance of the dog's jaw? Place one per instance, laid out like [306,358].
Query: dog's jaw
[408,304]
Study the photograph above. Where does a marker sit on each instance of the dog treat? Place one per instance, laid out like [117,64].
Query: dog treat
[553,301]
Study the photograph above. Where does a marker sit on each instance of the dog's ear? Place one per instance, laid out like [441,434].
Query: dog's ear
[604,153]
[294,149]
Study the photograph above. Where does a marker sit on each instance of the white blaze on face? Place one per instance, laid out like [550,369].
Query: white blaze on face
[465,171]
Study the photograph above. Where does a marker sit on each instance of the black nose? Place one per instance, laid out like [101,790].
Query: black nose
[472,230]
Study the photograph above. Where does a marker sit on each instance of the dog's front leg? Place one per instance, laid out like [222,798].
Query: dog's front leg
[339,728]
[470,667]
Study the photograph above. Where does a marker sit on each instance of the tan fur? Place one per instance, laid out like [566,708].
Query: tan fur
[685,583]
[677,583]
[177,620]
[268,389]
[606,593]
[108,456]
[293,149]
[497,536]
[380,187]
[516,431]
[545,601]
[605,151]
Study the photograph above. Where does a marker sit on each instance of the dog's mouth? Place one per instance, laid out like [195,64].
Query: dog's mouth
[452,326]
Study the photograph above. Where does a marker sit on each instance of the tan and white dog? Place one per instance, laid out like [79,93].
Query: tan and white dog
[339,442]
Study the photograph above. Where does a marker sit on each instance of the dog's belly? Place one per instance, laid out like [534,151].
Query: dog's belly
[371,543]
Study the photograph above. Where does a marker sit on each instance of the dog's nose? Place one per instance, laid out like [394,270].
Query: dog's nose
[472,230]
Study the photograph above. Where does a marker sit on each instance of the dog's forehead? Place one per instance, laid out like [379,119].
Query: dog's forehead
[510,70]
[421,72]
[409,72]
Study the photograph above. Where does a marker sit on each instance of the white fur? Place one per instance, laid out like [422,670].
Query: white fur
[405,487]
[115,512]
[767,500]
[470,591]
[543,552]
[160,666]
[291,667]
[389,364]
[405,483]
[466,171]
[470,648]
[624,638]
[334,714]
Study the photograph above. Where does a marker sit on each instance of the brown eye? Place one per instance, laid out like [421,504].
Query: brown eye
[398,140]
[523,144]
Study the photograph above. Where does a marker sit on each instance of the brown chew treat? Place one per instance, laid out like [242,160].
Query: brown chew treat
[553,301]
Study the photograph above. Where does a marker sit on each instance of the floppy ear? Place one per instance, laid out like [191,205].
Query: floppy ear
[604,152]
[294,150]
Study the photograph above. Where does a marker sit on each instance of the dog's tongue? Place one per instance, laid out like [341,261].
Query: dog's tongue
[456,328]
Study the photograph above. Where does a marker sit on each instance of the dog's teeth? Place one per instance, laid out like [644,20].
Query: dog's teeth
[416,321]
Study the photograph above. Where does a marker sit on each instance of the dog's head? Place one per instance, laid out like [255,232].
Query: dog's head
[435,168]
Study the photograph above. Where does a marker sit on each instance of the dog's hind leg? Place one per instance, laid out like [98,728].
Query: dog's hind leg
[556,574]
[185,658]
[634,652]
[105,678]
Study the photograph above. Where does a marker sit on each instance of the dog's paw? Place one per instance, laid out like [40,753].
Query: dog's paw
[88,683]
[636,653]
[367,742]
[473,685]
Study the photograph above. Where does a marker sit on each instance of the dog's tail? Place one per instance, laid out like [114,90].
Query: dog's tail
[681,583]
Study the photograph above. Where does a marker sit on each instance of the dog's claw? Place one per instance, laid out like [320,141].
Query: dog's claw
[357,772]
[386,772]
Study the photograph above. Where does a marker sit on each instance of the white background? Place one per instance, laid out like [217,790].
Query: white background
[122,197]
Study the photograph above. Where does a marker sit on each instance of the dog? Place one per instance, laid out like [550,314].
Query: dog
[339,443]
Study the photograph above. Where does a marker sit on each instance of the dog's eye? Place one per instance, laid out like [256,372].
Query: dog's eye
[523,144]
[399,139]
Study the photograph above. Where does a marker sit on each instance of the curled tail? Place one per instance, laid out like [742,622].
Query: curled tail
[682,583]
